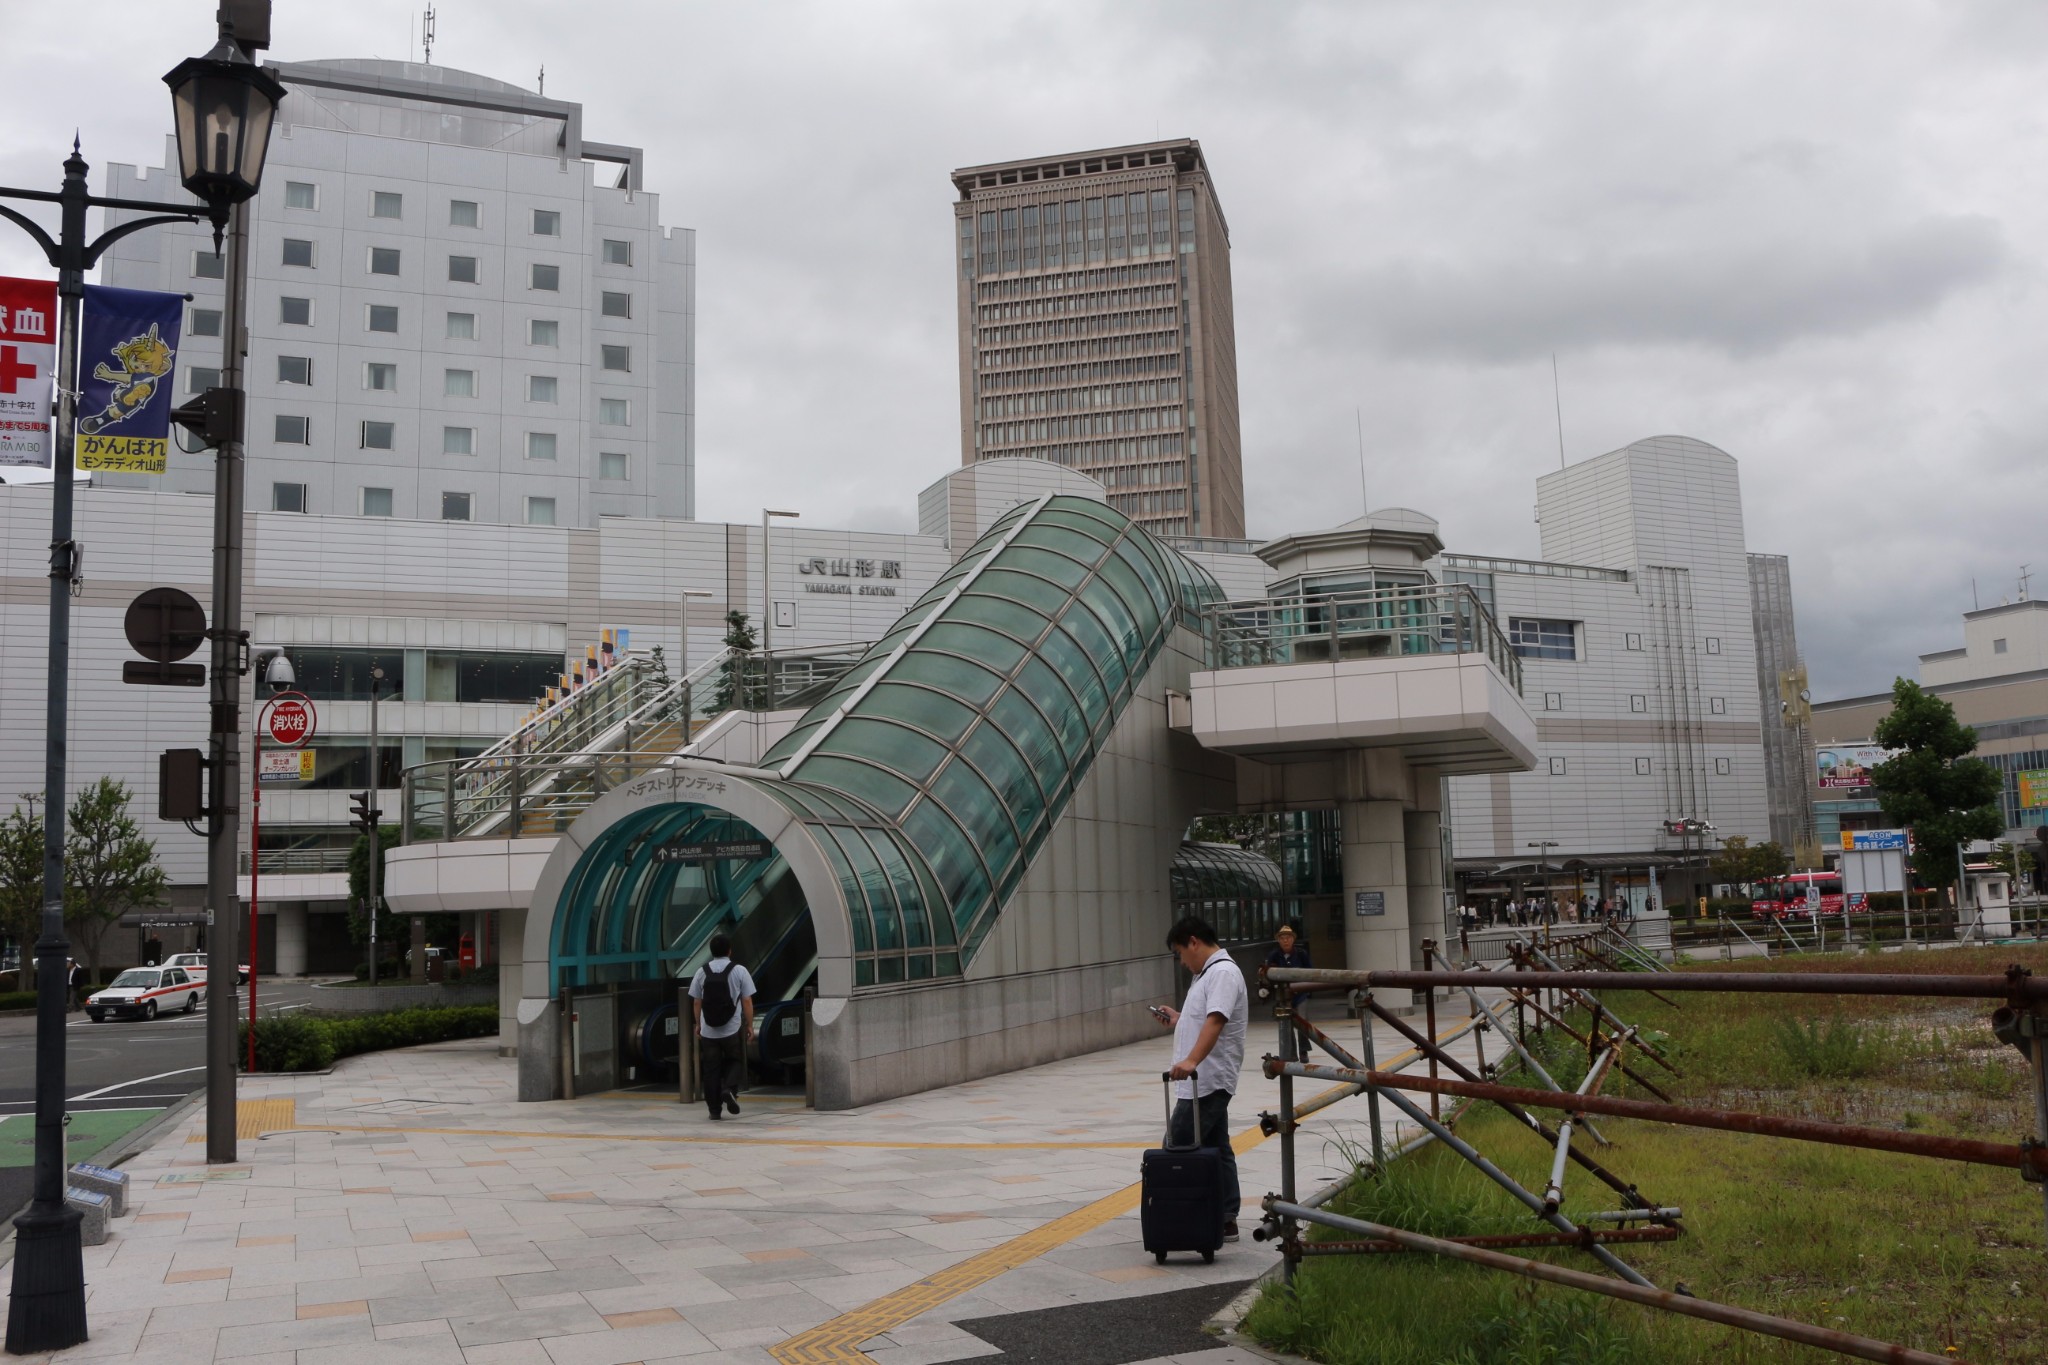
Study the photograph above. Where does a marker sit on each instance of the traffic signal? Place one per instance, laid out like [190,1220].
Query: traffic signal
[366,815]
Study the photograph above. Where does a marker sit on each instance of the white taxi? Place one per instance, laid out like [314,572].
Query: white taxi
[195,966]
[145,992]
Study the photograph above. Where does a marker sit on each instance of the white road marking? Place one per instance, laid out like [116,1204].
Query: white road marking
[108,1089]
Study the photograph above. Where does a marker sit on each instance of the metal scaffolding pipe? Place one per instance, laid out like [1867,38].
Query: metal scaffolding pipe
[1528,1057]
[2012,1156]
[1553,1193]
[1842,1343]
[1505,1239]
[1770,983]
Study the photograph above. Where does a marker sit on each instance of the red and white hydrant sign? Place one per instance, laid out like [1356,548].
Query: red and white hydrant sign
[28,361]
[291,722]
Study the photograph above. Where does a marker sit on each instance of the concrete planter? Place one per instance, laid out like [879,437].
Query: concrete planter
[372,999]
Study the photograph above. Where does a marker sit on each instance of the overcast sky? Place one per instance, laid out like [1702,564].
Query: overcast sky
[1812,235]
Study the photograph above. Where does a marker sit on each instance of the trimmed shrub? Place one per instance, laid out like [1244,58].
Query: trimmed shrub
[313,1042]
[17,1000]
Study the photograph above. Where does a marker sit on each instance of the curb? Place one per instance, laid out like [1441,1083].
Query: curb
[131,1146]
[1224,1326]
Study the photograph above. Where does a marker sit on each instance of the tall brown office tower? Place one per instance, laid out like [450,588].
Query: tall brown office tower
[1095,328]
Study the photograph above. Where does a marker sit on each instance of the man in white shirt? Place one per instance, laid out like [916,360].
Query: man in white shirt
[1208,1047]
[722,1005]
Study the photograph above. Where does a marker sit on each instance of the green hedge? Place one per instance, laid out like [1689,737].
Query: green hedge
[313,1042]
[17,1000]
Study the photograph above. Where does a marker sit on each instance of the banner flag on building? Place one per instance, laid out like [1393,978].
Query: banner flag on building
[28,365]
[127,358]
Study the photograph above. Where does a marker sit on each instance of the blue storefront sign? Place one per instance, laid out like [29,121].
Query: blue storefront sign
[1872,840]
[128,354]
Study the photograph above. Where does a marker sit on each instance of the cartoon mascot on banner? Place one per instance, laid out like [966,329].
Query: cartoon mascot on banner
[145,360]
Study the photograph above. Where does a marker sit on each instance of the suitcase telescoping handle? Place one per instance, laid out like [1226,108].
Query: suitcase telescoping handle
[1167,1089]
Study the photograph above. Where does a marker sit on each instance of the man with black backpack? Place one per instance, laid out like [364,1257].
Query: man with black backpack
[722,1002]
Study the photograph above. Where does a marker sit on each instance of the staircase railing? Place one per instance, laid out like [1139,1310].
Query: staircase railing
[633,719]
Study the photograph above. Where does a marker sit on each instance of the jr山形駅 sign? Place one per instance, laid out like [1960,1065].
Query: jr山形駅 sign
[851,576]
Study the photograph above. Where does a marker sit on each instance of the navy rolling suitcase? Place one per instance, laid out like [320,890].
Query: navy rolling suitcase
[1180,1205]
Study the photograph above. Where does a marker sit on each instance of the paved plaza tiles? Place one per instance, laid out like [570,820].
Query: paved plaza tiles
[407,1208]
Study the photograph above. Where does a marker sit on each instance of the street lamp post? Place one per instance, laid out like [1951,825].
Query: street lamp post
[1545,845]
[768,609]
[46,1308]
[683,659]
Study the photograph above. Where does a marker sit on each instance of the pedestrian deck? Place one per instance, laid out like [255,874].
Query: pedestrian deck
[407,1208]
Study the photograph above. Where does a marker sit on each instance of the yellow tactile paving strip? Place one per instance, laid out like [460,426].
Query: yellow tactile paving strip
[837,1342]
[254,1118]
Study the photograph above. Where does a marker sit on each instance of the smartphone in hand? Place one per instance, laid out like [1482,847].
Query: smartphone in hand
[1159,1012]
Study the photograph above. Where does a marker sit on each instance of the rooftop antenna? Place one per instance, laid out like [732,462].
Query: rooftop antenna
[2024,577]
[543,81]
[1974,606]
[1366,502]
[427,34]
[1557,400]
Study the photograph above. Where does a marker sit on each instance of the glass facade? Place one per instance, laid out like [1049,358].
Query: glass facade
[930,773]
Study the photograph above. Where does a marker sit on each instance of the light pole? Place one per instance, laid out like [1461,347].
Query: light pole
[768,576]
[1545,845]
[374,817]
[683,658]
[46,1309]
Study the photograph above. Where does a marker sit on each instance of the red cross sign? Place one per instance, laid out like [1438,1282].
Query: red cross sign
[28,355]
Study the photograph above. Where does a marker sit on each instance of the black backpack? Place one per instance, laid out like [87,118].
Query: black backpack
[717,998]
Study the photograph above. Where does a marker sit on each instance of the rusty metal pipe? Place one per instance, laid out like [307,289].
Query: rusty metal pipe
[1523,1116]
[1498,1240]
[1553,1193]
[1770,983]
[1842,1343]
[1626,1069]
[2011,1156]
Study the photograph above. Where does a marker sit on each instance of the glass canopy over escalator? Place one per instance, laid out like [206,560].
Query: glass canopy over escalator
[925,779]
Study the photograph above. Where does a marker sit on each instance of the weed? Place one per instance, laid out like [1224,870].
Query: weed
[1838,1050]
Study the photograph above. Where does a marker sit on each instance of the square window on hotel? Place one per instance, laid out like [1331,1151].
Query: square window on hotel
[617,305]
[376,502]
[462,213]
[540,445]
[1634,640]
[300,195]
[455,507]
[541,388]
[458,383]
[294,369]
[292,431]
[462,327]
[617,252]
[386,204]
[1638,702]
[383,260]
[1721,767]
[1642,767]
[540,511]
[543,332]
[1713,644]
[298,251]
[205,323]
[209,265]
[615,412]
[295,312]
[379,374]
[612,466]
[383,317]
[1717,705]
[200,378]
[462,269]
[548,277]
[1557,768]
[287,497]
[458,440]
[378,435]
[547,223]
[617,357]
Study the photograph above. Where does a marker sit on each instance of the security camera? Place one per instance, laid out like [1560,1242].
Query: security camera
[278,670]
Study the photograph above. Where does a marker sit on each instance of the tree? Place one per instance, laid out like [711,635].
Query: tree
[1931,785]
[735,686]
[109,868]
[21,874]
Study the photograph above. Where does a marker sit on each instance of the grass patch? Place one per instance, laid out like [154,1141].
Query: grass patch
[1930,1254]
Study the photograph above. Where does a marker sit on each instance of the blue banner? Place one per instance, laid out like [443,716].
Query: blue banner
[127,359]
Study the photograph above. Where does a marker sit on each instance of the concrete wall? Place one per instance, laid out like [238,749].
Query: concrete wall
[877,1046]
[371,999]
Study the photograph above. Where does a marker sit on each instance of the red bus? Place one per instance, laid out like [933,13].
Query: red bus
[1786,895]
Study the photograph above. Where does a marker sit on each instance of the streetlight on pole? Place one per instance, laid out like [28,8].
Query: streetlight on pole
[46,1309]
[768,607]
[1545,845]
[683,658]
